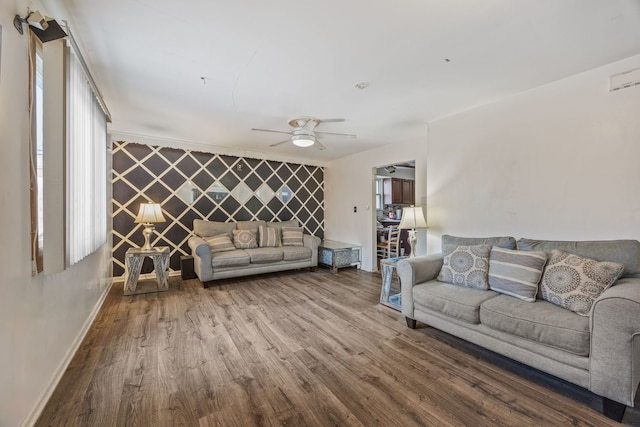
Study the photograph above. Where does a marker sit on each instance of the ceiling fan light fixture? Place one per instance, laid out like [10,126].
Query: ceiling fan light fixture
[303,140]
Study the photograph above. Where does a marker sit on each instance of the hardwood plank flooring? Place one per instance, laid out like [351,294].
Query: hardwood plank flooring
[299,349]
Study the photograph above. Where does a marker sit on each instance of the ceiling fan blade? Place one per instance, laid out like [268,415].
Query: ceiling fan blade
[319,145]
[338,134]
[279,143]
[330,120]
[270,130]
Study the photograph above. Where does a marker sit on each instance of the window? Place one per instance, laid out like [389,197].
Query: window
[378,193]
[86,157]
[36,152]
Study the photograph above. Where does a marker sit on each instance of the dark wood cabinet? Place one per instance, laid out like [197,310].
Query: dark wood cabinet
[398,191]
[408,195]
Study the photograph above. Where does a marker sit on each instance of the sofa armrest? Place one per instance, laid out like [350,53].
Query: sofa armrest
[312,242]
[201,258]
[615,342]
[413,271]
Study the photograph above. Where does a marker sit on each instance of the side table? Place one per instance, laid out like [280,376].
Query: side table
[133,265]
[335,254]
[390,295]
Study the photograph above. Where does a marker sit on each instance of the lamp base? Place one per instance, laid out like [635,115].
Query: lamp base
[412,242]
[147,232]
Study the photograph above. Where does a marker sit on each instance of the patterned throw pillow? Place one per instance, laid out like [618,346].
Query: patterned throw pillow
[292,236]
[220,243]
[575,282]
[516,273]
[245,239]
[268,237]
[465,266]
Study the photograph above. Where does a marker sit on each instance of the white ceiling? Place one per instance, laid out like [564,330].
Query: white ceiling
[267,61]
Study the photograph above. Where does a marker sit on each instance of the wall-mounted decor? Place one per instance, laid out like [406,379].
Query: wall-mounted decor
[196,185]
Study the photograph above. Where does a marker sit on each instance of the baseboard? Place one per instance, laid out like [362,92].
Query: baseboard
[33,416]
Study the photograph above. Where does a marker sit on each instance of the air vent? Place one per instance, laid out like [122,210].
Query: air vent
[624,80]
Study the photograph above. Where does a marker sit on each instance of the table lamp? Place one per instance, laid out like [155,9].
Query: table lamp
[149,214]
[412,218]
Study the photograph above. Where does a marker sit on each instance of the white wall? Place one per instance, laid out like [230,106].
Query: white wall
[350,181]
[42,319]
[557,162]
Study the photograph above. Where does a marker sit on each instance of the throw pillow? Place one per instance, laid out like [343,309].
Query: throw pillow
[575,282]
[516,273]
[245,239]
[292,236]
[465,265]
[220,243]
[268,237]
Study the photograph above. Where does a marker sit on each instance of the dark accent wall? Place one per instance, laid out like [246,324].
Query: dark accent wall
[196,185]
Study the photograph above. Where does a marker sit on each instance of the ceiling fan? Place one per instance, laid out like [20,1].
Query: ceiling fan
[304,133]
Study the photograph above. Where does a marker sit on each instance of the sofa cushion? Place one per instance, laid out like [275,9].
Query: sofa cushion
[625,252]
[516,273]
[292,236]
[503,242]
[295,253]
[245,239]
[280,224]
[465,266]
[237,258]
[454,301]
[575,282]
[268,237]
[204,228]
[540,321]
[220,243]
[264,255]
[250,225]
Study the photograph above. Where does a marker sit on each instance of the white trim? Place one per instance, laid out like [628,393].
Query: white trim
[117,135]
[36,411]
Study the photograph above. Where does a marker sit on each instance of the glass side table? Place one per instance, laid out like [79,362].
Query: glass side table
[338,254]
[390,295]
[133,265]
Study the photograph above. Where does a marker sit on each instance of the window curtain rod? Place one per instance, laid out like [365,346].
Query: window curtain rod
[93,85]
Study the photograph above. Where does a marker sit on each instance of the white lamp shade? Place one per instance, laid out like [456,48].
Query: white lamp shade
[412,218]
[149,213]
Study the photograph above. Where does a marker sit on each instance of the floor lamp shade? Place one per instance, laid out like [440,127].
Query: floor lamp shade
[149,214]
[412,218]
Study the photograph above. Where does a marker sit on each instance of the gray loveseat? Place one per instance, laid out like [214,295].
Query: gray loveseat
[600,352]
[210,266]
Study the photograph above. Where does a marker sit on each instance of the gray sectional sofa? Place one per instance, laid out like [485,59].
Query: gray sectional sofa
[210,266]
[600,352]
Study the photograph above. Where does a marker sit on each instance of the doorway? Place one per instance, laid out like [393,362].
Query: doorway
[394,189]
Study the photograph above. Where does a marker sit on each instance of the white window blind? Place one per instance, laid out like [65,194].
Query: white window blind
[86,174]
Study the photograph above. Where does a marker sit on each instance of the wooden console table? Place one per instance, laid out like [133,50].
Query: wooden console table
[133,265]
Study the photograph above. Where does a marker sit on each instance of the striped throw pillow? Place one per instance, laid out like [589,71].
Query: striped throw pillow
[516,273]
[220,243]
[268,237]
[292,236]
[245,239]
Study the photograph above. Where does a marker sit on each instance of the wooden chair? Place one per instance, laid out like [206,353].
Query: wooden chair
[390,248]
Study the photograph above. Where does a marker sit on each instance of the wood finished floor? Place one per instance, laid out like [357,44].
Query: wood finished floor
[297,348]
